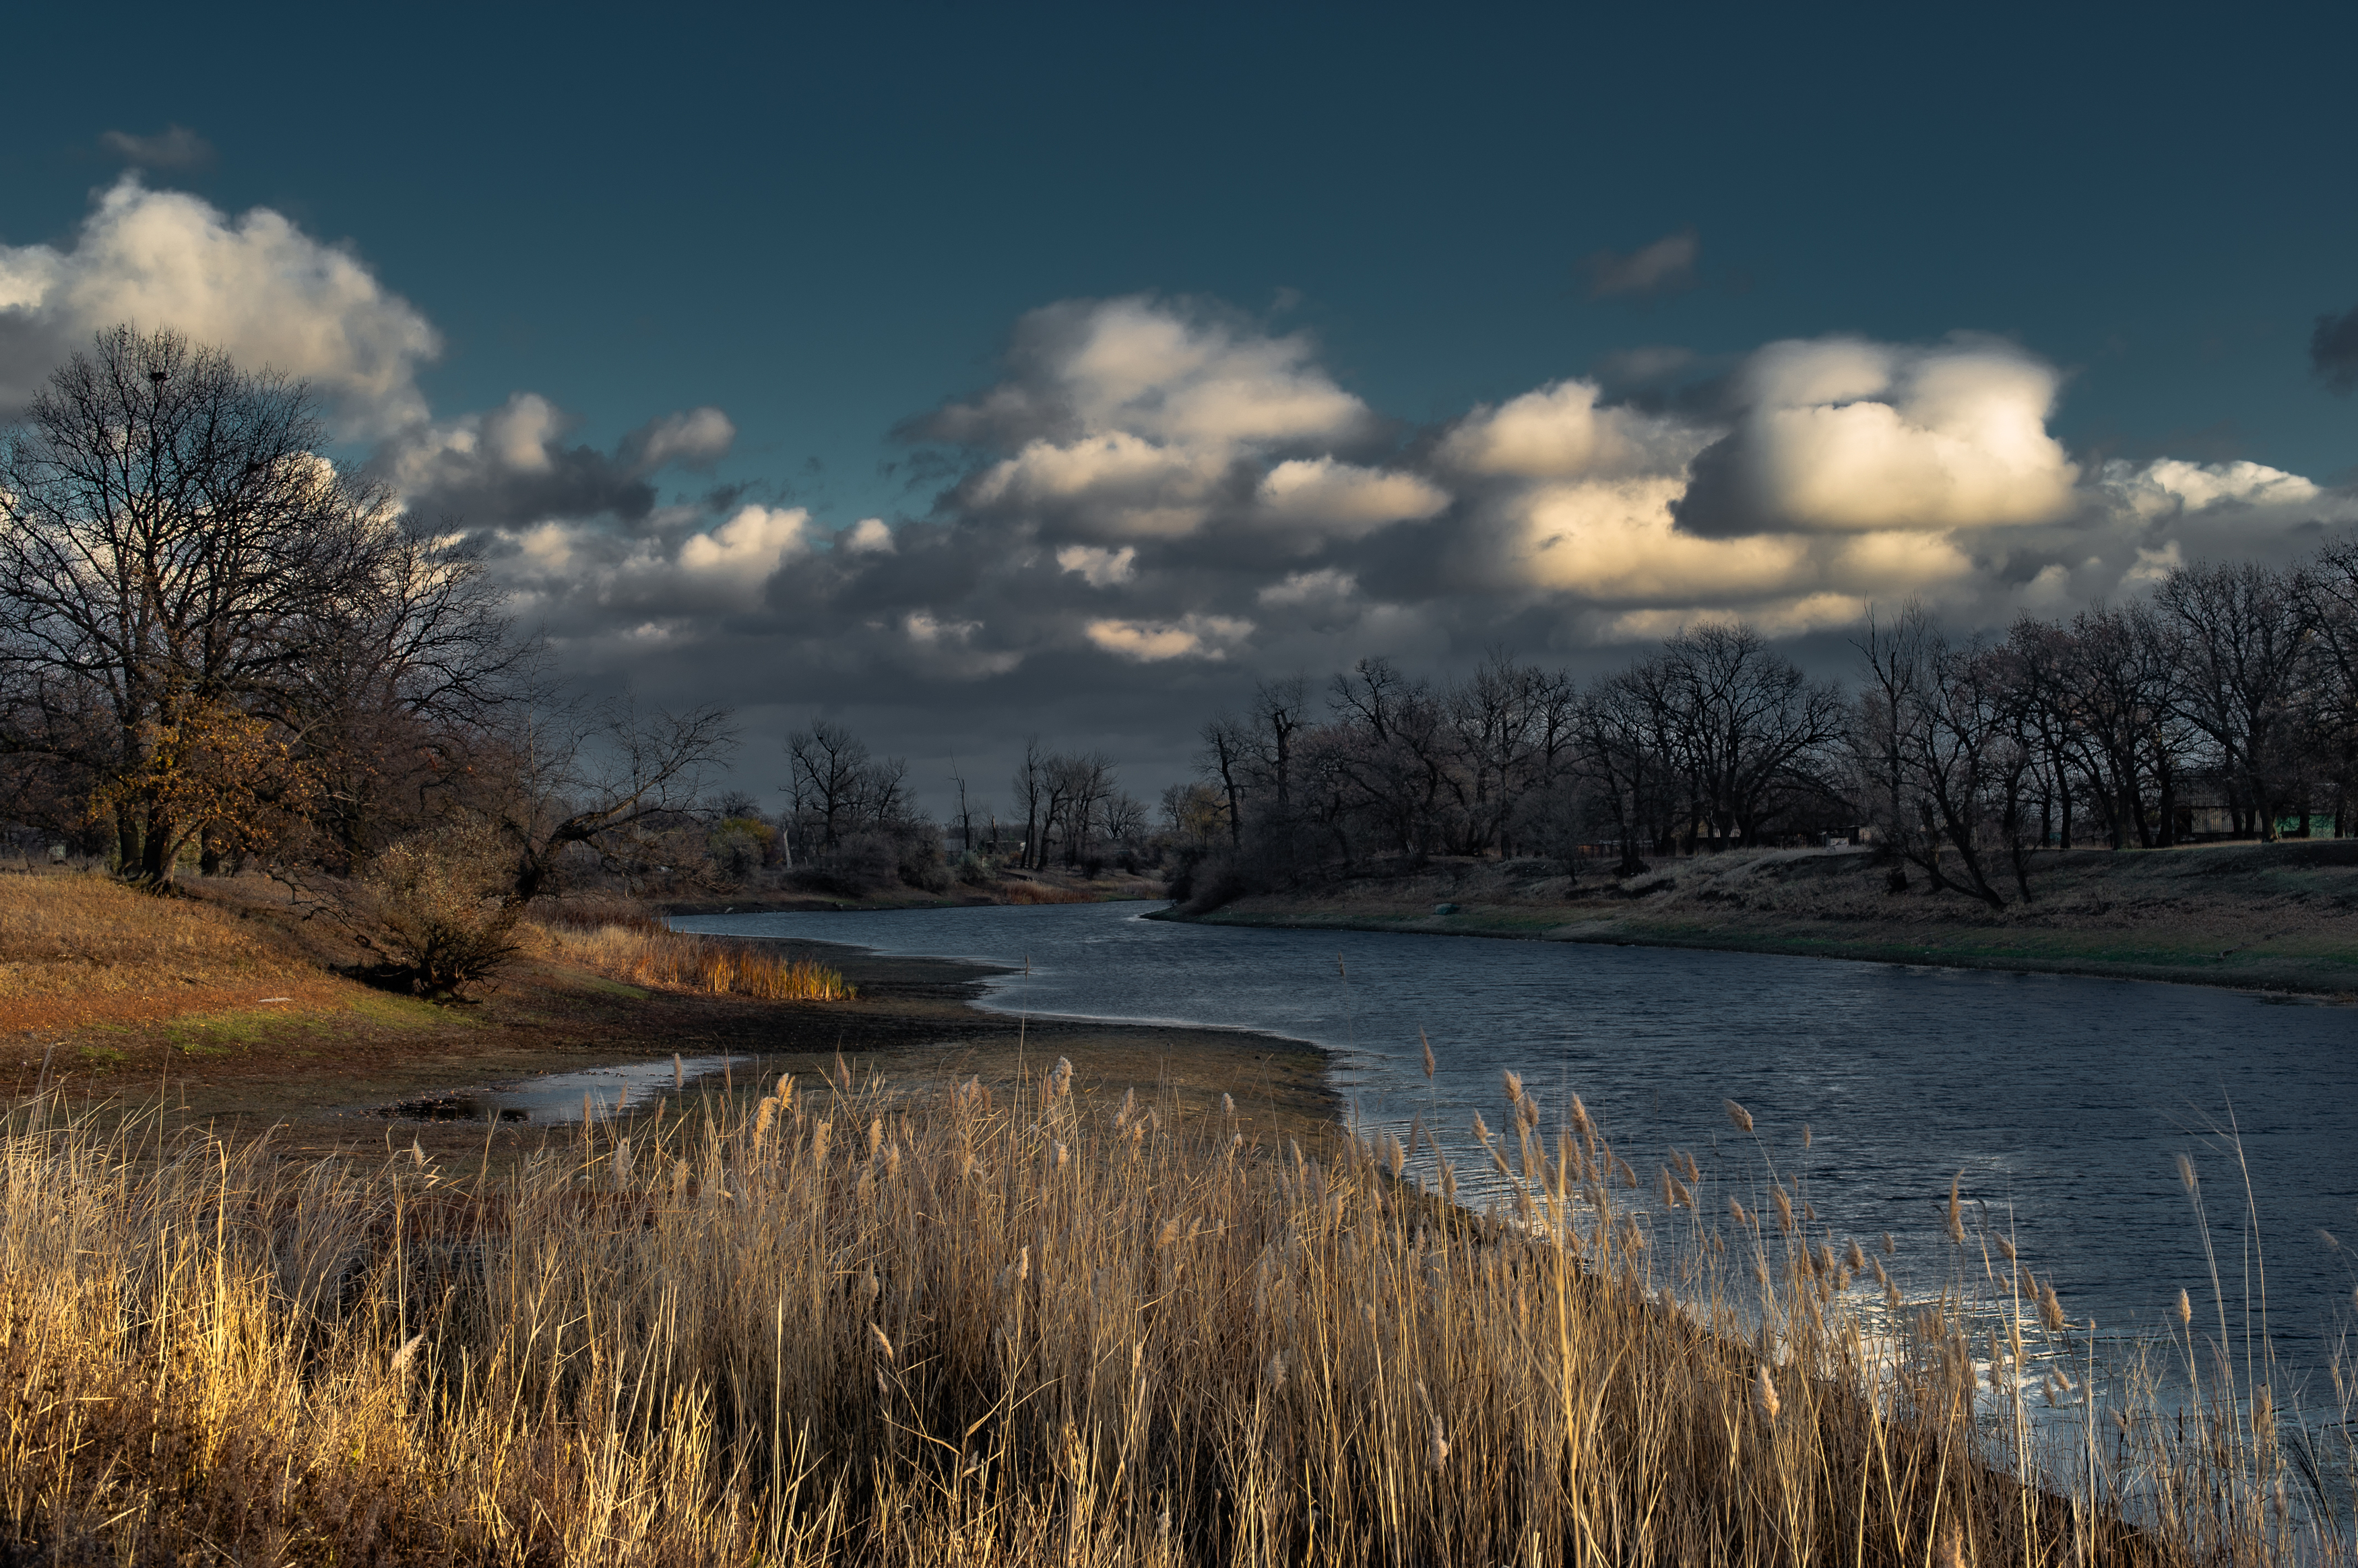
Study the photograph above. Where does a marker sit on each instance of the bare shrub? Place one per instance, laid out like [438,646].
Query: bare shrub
[436,911]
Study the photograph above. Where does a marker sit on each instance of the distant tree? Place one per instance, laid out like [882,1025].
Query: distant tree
[2242,653]
[1223,758]
[827,767]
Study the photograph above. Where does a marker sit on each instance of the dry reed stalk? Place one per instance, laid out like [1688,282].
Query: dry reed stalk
[983,1334]
[648,955]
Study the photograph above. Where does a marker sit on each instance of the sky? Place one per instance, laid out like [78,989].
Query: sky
[966,373]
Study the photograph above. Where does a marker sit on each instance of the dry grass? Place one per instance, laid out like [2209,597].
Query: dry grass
[853,1325]
[641,950]
[73,934]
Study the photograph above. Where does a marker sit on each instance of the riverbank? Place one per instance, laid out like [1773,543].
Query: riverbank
[228,1006]
[953,1314]
[2270,917]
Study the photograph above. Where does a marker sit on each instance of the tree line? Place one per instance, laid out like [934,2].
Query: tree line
[218,645]
[2224,705]
[842,802]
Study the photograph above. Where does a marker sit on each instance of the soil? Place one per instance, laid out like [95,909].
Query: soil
[2265,917]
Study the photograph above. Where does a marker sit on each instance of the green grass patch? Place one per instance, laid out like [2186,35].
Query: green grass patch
[406,1012]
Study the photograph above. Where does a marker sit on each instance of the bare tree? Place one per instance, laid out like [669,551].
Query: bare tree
[827,775]
[2241,657]
[1750,725]
[1223,757]
[1030,785]
[173,549]
[598,785]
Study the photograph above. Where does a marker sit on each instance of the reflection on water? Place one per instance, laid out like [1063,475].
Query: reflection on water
[551,1098]
[2062,1101]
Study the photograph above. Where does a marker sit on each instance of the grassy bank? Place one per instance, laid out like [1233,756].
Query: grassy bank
[857,1324]
[2281,916]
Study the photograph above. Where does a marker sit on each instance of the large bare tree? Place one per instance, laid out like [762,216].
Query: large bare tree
[167,528]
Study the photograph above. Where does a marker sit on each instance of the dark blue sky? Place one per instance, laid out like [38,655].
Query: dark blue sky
[822,219]
[826,223]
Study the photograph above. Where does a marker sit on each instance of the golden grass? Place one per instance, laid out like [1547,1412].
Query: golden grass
[642,951]
[75,933]
[854,1325]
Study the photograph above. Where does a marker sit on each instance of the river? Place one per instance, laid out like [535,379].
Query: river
[2063,1101]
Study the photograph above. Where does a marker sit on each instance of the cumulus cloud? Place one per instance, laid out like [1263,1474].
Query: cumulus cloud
[1140,419]
[2170,488]
[748,547]
[1098,567]
[173,147]
[1153,642]
[580,580]
[1666,266]
[1329,500]
[255,284]
[1158,492]
[1842,434]
[869,535]
[695,440]
[2333,349]
[513,465]
[1158,503]
[1559,432]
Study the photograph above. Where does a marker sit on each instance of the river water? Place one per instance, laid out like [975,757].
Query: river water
[2063,1101]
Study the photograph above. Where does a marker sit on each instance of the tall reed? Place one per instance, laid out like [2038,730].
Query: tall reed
[1002,1324]
[646,953]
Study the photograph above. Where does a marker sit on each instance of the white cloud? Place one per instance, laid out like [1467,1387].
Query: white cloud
[693,440]
[1559,432]
[2170,487]
[510,465]
[1099,568]
[1116,485]
[255,286]
[1614,541]
[1153,642]
[869,536]
[1843,434]
[1137,418]
[1343,501]
[1189,378]
[924,626]
[749,546]
[1327,585]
